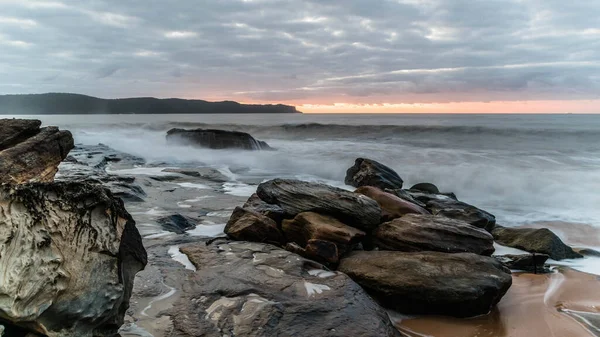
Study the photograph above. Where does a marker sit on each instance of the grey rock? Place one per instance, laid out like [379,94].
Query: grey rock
[176,223]
[295,196]
[216,139]
[274,212]
[532,240]
[440,204]
[416,232]
[367,172]
[70,252]
[533,263]
[426,187]
[252,289]
[461,285]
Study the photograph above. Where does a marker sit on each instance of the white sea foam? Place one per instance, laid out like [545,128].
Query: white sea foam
[194,185]
[239,189]
[220,214]
[147,171]
[313,288]
[504,250]
[178,256]
[589,264]
[321,273]
[207,230]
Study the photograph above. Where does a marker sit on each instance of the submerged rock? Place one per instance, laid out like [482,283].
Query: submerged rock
[533,263]
[248,225]
[69,253]
[535,241]
[417,232]
[367,172]
[176,223]
[31,154]
[448,206]
[295,196]
[216,139]
[252,289]
[392,207]
[460,285]
[313,226]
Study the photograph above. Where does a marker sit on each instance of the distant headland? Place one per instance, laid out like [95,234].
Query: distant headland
[73,104]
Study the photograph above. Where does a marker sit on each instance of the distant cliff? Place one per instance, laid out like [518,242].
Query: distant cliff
[58,103]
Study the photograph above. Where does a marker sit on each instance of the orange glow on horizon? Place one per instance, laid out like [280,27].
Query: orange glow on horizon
[578,106]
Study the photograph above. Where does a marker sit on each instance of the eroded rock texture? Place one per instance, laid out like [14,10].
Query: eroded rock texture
[253,289]
[31,154]
[69,253]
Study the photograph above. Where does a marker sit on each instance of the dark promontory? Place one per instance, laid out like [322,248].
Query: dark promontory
[67,104]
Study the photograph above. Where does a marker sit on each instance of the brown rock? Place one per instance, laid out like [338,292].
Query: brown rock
[272,211]
[417,232]
[392,207]
[461,285]
[322,251]
[247,225]
[309,225]
[15,131]
[33,159]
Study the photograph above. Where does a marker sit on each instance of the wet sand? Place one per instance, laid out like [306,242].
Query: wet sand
[562,304]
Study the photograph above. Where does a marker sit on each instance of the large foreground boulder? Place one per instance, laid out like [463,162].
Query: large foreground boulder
[31,154]
[295,196]
[417,232]
[69,253]
[533,240]
[216,139]
[392,206]
[461,285]
[367,172]
[444,205]
[252,289]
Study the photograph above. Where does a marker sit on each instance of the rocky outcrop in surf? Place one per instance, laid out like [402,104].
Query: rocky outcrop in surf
[426,264]
[29,153]
[216,139]
[69,253]
[367,172]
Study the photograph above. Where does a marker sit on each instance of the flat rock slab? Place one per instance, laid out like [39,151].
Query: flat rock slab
[392,206]
[417,232]
[533,240]
[252,289]
[461,285]
[295,196]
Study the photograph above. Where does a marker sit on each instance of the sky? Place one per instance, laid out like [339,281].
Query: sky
[320,55]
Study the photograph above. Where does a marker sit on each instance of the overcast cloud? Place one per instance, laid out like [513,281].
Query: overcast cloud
[320,51]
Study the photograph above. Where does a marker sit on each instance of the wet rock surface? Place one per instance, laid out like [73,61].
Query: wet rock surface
[367,172]
[532,240]
[533,263]
[461,285]
[416,232]
[29,153]
[248,225]
[69,253]
[252,289]
[216,139]
[392,207]
[176,223]
[295,196]
[313,226]
[450,207]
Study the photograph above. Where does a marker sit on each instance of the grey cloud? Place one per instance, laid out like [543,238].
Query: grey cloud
[306,50]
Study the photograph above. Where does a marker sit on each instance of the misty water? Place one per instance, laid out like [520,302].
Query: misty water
[522,168]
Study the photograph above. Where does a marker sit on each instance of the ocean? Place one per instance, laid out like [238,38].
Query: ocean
[522,168]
